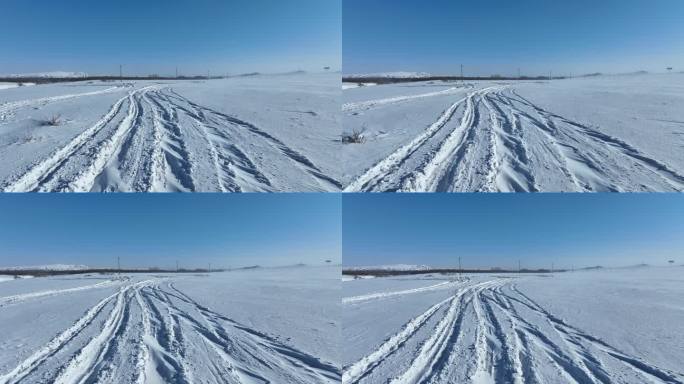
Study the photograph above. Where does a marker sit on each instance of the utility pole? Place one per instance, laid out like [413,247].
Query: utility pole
[462,79]
[176,72]
[460,270]
[552,268]
[177,269]
[550,77]
[118,263]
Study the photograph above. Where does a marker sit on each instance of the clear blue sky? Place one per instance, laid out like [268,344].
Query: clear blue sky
[157,229]
[500,36]
[156,36]
[498,230]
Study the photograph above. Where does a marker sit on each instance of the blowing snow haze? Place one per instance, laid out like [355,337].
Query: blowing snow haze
[197,37]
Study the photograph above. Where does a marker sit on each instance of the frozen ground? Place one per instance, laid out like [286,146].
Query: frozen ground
[609,326]
[256,326]
[260,133]
[608,133]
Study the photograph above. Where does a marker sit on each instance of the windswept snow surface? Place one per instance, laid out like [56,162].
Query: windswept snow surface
[609,326]
[258,326]
[261,133]
[612,133]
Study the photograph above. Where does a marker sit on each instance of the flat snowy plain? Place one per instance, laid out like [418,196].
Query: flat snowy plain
[258,133]
[277,325]
[606,133]
[606,326]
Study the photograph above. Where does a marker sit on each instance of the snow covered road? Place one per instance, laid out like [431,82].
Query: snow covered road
[490,137]
[152,138]
[489,330]
[146,329]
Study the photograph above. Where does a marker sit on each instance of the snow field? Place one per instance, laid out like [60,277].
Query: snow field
[494,329]
[510,137]
[150,137]
[147,329]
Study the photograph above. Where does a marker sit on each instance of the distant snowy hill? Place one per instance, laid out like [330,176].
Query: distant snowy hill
[390,75]
[51,267]
[47,75]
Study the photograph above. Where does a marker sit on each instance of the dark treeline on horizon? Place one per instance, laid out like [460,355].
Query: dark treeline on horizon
[47,80]
[384,272]
[47,272]
[392,80]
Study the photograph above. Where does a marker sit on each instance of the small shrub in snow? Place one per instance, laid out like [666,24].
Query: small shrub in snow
[54,121]
[355,137]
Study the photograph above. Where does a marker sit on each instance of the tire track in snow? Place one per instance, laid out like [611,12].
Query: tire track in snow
[86,365]
[360,369]
[297,158]
[574,367]
[365,105]
[149,332]
[86,179]
[439,169]
[172,166]
[235,170]
[515,340]
[53,346]
[151,140]
[379,177]
[384,295]
[576,340]
[380,171]
[32,179]
[595,150]
[506,143]
[270,352]
[55,173]
[8,108]
[422,367]
[7,300]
